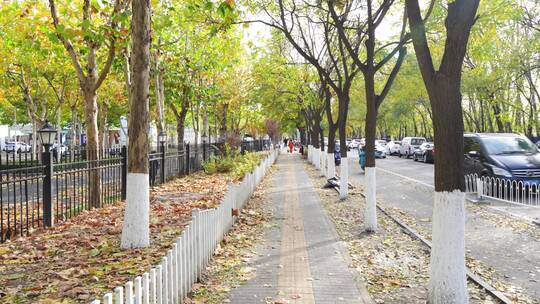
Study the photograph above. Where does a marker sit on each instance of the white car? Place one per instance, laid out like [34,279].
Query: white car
[380,150]
[17,146]
[362,141]
[392,147]
[61,148]
[381,142]
[409,144]
[354,144]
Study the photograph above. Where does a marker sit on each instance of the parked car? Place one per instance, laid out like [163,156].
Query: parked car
[17,146]
[354,144]
[380,150]
[538,144]
[508,156]
[62,149]
[408,144]
[381,142]
[392,147]
[425,152]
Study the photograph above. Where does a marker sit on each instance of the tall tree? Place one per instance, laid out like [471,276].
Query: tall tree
[136,230]
[94,37]
[364,33]
[447,270]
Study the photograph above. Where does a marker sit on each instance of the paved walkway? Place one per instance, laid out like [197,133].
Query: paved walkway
[302,259]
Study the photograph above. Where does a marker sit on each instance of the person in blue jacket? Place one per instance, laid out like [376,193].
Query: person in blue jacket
[362,157]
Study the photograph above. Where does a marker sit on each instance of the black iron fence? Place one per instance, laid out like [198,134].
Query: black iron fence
[62,184]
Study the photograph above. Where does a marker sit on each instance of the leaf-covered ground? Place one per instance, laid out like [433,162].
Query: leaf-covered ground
[81,259]
[394,265]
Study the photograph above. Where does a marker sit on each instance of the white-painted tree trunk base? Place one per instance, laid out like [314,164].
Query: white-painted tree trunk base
[370,213]
[331,165]
[448,282]
[136,230]
[344,179]
[323,163]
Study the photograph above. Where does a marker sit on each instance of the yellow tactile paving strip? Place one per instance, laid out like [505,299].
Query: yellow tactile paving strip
[294,281]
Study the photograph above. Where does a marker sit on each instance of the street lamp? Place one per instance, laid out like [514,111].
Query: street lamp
[47,135]
[162,137]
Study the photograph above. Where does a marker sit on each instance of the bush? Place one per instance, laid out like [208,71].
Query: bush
[236,165]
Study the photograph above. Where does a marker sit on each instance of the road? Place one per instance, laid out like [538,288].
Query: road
[408,185]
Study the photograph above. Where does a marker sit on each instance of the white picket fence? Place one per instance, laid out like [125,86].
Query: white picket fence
[172,279]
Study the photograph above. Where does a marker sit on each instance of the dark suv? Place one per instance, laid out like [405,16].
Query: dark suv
[508,156]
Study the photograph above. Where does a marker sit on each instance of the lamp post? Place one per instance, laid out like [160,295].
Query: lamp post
[162,138]
[47,134]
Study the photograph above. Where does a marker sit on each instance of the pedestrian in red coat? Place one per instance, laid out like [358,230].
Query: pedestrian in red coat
[291,146]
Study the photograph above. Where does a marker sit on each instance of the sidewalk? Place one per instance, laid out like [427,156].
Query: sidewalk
[302,259]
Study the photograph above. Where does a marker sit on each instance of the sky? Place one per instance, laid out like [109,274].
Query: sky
[257,33]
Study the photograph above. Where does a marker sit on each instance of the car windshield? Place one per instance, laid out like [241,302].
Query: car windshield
[397,143]
[417,141]
[509,145]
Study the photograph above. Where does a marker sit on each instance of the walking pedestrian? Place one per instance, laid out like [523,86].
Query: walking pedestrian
[291,146]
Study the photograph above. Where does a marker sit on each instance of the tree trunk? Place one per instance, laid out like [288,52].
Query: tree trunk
[448,283]
[180,127]
[344,166]
[136,230]
[92,147]
[34,140]
[160,94]
[447,273]
[302,131]
[223,122]
[103,114]
[497,114]
[370,213]
[59,134]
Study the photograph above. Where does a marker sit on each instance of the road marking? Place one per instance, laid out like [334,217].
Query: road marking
[406,177]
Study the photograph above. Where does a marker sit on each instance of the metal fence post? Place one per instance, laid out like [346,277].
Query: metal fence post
[163,162]
[204,150]
[479,188]
[188,159]
[124,171]
[48,213]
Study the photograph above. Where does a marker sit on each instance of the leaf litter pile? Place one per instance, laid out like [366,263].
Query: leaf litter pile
[81,259]
[394,266]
